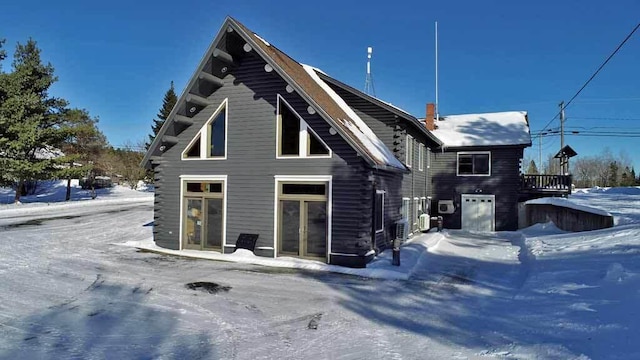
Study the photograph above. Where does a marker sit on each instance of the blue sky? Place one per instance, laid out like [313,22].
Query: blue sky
[117,58]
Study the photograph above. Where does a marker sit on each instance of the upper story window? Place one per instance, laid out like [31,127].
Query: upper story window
[474,163]
[409,151]
[295,138]
[211,141]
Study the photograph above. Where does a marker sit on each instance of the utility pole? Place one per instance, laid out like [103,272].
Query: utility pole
[436,51]
[561,125]
[540,150]
[562,158]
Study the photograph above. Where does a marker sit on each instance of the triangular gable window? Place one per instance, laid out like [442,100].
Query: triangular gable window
[193,151]
[211,140]
[316,146]
[295,138]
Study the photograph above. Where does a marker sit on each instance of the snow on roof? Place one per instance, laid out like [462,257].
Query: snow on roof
[356,125]
[502,128]
[568,204]
[261,39]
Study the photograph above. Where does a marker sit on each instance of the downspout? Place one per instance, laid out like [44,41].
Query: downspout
[374,245]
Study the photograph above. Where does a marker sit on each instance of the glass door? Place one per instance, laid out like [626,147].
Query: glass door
[315,228]
[290,227]
[302,216]
[193,223]
[214,210]
[203,217]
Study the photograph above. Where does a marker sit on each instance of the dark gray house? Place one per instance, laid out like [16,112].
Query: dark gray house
[259,143]
[477,180]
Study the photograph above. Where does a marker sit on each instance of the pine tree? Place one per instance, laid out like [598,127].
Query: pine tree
[613,174]
[3,95]
[532,169]
[168,103]
[30,120]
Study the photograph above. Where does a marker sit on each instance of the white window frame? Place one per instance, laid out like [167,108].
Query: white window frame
[305,129]
[421,157]
[405,209]
[472,153]
[409,151]
[204,135]
[278,179]
[223,179]
[381,211]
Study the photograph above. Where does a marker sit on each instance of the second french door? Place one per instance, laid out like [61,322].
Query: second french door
[303,220]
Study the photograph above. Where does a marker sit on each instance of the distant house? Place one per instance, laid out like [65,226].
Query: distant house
[261,144]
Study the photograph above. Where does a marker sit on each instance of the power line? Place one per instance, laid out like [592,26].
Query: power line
[604,118]
[594,75]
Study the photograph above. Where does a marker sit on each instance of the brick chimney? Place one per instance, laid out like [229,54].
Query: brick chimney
[429,120]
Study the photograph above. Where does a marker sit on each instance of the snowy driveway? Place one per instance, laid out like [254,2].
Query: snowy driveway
[66,291]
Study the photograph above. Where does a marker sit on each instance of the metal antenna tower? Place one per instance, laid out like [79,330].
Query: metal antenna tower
[368,83]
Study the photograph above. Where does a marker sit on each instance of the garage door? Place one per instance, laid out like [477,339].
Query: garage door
[478,212]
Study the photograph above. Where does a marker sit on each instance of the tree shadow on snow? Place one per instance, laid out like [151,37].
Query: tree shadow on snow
[475,304]
[52,192]
[105,321]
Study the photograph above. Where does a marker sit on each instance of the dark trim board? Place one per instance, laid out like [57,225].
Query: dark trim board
[351,260]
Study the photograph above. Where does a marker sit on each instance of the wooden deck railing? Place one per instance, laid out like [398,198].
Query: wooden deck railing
[546,183]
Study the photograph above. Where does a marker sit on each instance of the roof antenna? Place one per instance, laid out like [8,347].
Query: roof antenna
[437,107]
[368,83]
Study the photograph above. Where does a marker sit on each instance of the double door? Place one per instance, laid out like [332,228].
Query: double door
[203,216]
[478,212]
[302,220]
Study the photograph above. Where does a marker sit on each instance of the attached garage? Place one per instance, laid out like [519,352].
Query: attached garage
[478,212]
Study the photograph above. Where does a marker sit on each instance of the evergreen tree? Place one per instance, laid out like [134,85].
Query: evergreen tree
[613,174]
[168,103]
[31,122]
[532,169]
[3,54]
[3,94]
[82,147]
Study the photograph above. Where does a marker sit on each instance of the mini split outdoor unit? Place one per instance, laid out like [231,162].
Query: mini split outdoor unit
[446,207]
[402,229]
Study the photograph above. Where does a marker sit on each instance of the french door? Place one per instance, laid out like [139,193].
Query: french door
[203,215]
[302,219]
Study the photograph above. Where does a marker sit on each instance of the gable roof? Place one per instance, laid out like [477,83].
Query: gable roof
[566,151]
[350,127]
[488,129]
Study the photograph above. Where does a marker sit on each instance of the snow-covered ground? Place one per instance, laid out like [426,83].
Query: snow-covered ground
[69,289]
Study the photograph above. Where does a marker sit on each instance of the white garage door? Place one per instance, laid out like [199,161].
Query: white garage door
[478,212]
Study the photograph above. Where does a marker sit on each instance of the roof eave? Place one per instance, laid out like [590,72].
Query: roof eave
[146,161]
[412,119]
